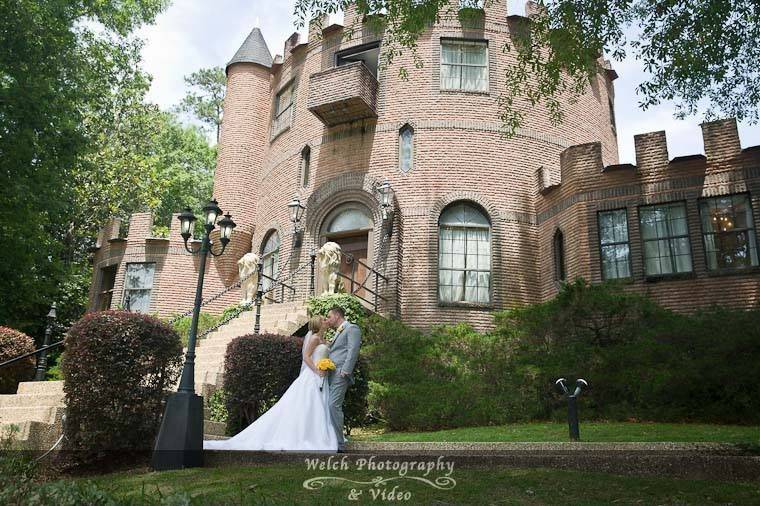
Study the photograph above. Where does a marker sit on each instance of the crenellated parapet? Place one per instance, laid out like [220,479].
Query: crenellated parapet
[581,168]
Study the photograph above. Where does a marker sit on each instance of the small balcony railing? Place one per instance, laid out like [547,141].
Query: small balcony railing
[343,94]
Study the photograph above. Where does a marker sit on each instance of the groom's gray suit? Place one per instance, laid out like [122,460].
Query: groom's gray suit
[344,351]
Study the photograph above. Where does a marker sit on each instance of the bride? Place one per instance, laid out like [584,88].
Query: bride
[300,420]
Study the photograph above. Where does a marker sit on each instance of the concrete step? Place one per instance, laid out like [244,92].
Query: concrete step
[30,400]
[32,435]
[237,329]
[214,428]
[22,433]
[46,414]
[214,437]
[40,387]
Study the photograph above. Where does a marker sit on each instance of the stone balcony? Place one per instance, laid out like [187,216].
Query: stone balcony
[342,94]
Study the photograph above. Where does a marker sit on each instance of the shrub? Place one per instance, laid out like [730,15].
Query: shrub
[205,322]
[352,306]
[258,369]
[642,362]
[217,405]
[12,344]
[426,381]
[55,369]
[119,366]
[229,311]
[355,404]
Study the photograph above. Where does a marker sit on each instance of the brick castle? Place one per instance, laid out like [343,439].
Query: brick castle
[474,222]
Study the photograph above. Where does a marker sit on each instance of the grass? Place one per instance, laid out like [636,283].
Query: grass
[283,484]
[590,431]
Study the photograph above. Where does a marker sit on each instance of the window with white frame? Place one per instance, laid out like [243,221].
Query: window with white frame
[464,65]
[283,108]
[665,232]
[614,247]
[406,148]
[138,285]
[464,255]
[728,231]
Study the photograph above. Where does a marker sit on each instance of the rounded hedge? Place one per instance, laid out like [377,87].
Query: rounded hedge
[119,368]
[258,369]
[12,344]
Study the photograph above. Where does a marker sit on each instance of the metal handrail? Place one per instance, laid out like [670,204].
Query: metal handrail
[31,353]
[214,297]
[356,286]
[351,258]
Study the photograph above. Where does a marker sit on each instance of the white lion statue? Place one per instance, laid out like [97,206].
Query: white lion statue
[248,270]
[329,257]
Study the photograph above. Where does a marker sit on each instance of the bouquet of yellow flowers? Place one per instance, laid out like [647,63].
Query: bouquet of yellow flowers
[325,365]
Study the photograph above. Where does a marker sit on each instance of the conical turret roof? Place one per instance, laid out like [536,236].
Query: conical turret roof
[253,50]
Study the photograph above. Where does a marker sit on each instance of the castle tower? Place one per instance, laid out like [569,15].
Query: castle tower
[244,129]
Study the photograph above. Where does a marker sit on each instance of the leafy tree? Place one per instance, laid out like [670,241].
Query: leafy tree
[146,161]
[60,59]
[206,101]
[701,55]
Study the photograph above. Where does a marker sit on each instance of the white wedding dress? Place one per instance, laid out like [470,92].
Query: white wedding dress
[299,421]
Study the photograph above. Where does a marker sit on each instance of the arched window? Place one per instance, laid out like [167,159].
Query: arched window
[406,148]
[464,255]
[305,165]
[270,257]
[558,247]
[349,219]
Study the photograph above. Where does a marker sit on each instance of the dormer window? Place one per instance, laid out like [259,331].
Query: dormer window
[369,54]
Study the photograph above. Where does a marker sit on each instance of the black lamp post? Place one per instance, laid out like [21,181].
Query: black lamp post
[180,439]
[296,213]
[42,360]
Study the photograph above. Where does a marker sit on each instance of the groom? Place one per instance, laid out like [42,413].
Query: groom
[344,351]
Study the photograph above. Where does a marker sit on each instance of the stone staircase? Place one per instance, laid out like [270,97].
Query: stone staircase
[285,318]
[36,409]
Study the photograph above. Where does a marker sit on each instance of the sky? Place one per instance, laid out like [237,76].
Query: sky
[194,34]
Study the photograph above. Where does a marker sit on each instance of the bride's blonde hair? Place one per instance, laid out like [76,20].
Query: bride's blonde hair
[315,324]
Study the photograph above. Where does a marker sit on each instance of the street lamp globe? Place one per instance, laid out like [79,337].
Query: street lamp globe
[187,223]
[211,211]
[226,226]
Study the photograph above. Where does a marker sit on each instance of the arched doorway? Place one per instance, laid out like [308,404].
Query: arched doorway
[351,226]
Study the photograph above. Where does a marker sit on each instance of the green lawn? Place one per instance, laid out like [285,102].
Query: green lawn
[283,484]
[591,431]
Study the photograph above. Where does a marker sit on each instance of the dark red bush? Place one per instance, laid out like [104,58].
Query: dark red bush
[119,367]
[12,344]
[258,369]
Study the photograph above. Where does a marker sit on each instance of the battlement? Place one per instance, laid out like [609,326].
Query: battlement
[580,165]
[139,229]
